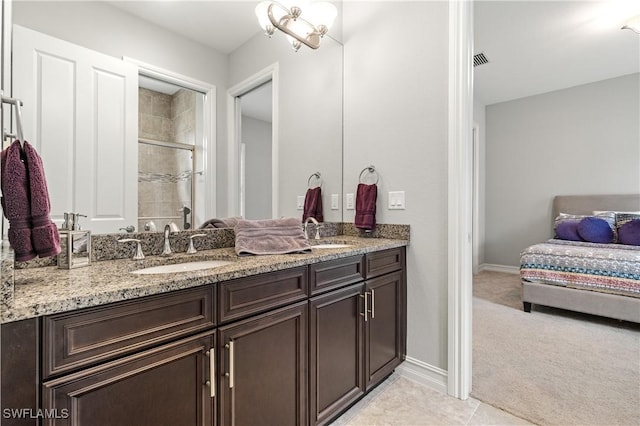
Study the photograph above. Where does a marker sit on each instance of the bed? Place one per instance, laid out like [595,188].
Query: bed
[594,278]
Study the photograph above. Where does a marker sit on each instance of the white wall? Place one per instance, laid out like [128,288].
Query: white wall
[310,114]
[581,140]
[106,29]
[256,135]
[479,123]
[395,117]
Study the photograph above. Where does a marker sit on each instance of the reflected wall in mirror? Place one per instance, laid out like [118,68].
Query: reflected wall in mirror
[309,95]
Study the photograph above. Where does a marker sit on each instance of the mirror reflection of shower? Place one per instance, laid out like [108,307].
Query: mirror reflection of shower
[256,147]
[169,121]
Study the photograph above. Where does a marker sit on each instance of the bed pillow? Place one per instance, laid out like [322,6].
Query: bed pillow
[624,217]
[568,230]
[629,233]
[596,229]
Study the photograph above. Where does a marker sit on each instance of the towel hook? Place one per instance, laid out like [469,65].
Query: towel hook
[19,132]
[371,170]
[318,177]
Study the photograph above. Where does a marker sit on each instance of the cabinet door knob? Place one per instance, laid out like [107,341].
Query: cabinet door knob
[373,304]
[366,306]
[229,346]
[211,353]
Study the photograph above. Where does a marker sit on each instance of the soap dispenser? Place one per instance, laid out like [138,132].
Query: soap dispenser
[75,243]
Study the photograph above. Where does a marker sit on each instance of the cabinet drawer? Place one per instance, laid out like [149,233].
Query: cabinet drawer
[337,273]
[87,336]
[382,262]
[248,296]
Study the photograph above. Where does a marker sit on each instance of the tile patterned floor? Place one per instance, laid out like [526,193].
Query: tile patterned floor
[401,402]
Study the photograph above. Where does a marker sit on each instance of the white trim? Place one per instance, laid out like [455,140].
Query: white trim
[500,268]
[423,373]
[475,150]
[269,73]
[207,163]
[459,204]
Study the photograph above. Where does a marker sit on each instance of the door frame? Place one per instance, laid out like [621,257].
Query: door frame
[203,207]
[270,73]
[459,324]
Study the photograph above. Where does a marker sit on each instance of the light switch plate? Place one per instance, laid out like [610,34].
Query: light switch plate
[300,202]
[396,200]
[349,201]
[335,201]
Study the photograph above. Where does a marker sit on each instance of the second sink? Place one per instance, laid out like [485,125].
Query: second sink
[182,267]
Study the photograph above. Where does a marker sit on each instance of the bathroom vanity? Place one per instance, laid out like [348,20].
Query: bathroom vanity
[282,340]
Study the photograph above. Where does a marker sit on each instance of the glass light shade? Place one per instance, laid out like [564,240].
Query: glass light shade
[261,14]
[321,13]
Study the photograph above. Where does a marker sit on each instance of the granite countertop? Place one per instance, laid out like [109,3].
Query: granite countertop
[49,290]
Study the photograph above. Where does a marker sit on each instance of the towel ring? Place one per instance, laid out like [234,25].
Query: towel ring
[370,170]
[318,178]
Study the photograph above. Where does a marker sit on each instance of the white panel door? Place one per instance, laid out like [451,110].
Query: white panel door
[81,113]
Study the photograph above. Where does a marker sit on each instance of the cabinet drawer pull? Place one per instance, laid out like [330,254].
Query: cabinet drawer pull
[366,306]
[373,303]
[229,346]
[211,353]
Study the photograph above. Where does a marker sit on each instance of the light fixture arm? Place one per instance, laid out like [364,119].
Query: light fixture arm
[312,39]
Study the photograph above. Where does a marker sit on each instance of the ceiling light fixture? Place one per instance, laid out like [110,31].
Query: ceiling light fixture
[307,30]
[633,24]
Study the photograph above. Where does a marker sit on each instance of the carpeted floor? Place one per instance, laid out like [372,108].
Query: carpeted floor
[552,367]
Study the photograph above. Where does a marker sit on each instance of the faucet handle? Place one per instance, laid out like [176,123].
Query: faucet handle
[138,255]
[191,248]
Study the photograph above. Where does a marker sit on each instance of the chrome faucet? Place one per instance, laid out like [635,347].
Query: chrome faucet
[166,251]
[315,222]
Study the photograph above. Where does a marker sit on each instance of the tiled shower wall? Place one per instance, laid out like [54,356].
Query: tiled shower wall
[163,186]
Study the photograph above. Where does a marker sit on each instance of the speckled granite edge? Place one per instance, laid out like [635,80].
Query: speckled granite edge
[49,290]
[382,230]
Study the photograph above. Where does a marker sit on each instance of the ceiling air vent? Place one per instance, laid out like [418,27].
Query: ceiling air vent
[479,59]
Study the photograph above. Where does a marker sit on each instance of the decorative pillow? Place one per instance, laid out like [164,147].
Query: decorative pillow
[563,231]
[568,230]
[629,233]
[624,217]
[596,230]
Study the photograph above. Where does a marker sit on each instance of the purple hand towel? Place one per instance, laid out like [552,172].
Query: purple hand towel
[15,202]
[313,204]
[366,197]
[44,233]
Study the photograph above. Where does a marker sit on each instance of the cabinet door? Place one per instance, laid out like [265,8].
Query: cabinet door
[263,367]
[386,326]
[169,385]
[336,352]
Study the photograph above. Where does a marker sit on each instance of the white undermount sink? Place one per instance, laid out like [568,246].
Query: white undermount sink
[182,267]
[330,246]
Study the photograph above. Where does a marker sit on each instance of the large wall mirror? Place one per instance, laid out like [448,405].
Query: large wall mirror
[305,126]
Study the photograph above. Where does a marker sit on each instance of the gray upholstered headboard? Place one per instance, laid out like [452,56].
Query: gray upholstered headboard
[586,204]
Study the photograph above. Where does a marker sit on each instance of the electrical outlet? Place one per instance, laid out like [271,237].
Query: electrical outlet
[396,200]
[335,201]
[300,202]
[350,202]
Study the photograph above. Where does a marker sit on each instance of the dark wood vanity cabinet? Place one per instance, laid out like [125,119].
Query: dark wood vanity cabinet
[263,369]
[291,347]
[164,386]
[357,334]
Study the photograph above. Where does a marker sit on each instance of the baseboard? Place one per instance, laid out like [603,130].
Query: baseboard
[423,373]
[499,268]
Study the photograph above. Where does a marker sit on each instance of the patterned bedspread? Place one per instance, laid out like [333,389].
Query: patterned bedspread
[609,268]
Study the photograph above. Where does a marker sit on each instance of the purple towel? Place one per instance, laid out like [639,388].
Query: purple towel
[366,197]
[15,202]
[25,203]
[313,204]
[44,233]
